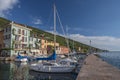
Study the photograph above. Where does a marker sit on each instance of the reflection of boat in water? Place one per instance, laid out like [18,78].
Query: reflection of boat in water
[52,76]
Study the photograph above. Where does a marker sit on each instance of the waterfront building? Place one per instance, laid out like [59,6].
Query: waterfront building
[64,50]
[16,39]
[49,45]
[20,38]
[36,47]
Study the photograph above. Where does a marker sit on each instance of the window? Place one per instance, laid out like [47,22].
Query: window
[6,29]
[25,45]
[16,46]
[5,36]
[23,32]
[19,31]
[25,39]
[22,45]
[22,39]
[9,36]
[31,38]
[9,28]
[17,37]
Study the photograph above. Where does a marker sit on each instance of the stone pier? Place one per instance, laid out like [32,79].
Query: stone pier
[96,69]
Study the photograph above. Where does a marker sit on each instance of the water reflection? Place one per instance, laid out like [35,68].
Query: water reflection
[52,76]
[20,71]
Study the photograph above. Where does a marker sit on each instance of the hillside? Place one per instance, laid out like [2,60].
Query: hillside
[49,37]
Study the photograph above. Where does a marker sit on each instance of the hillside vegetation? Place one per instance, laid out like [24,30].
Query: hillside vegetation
[61,40]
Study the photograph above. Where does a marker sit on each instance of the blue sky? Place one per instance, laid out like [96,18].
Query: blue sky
[96,20]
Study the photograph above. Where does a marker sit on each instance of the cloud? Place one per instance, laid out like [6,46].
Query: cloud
[37,21]
[102,42]
[6,6]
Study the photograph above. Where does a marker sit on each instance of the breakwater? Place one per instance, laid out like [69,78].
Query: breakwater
[95,68]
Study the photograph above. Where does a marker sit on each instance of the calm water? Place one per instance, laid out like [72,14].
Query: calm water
[112,58]
[20,71]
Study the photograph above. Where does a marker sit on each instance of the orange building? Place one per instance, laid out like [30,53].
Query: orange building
[43,43]
[64,50]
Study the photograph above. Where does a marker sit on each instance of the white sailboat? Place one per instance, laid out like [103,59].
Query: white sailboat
[62,66]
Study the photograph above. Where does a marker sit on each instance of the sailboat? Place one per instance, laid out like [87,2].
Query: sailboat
[62,66]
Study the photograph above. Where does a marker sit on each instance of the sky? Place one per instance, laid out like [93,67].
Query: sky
[85,20]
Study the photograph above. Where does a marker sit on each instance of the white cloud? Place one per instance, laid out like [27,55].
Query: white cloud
[6,6]
[37,21]
[102,42]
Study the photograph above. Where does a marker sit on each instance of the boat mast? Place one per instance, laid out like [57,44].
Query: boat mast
[67,41]
[73,46]
[54,27]
[90,48]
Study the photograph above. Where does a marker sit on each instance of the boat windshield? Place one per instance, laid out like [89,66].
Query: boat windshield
[63,62]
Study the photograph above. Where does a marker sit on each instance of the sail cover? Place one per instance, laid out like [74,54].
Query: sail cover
[51,57]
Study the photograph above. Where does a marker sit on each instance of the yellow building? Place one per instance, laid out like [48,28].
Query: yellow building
[45,44]
[48,45]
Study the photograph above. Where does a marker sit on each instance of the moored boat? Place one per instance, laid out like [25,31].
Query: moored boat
[63,66]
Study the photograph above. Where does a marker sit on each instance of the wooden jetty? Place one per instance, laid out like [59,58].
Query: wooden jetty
[95,68]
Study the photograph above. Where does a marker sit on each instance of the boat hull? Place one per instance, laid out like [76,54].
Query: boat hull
[53,69]
[22,60]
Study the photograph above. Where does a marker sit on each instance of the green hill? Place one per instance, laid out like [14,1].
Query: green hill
[61,40]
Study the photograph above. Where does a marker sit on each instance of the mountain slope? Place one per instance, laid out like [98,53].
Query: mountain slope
[49,37]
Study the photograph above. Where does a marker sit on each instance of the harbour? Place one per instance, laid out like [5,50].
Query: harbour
[59,40]
[11,70]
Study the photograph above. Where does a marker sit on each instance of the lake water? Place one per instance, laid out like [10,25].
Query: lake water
[20,71]
[112,58]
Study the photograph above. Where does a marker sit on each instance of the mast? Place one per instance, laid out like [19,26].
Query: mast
[54,27]
[73,45]
[90,47]
[67,40]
